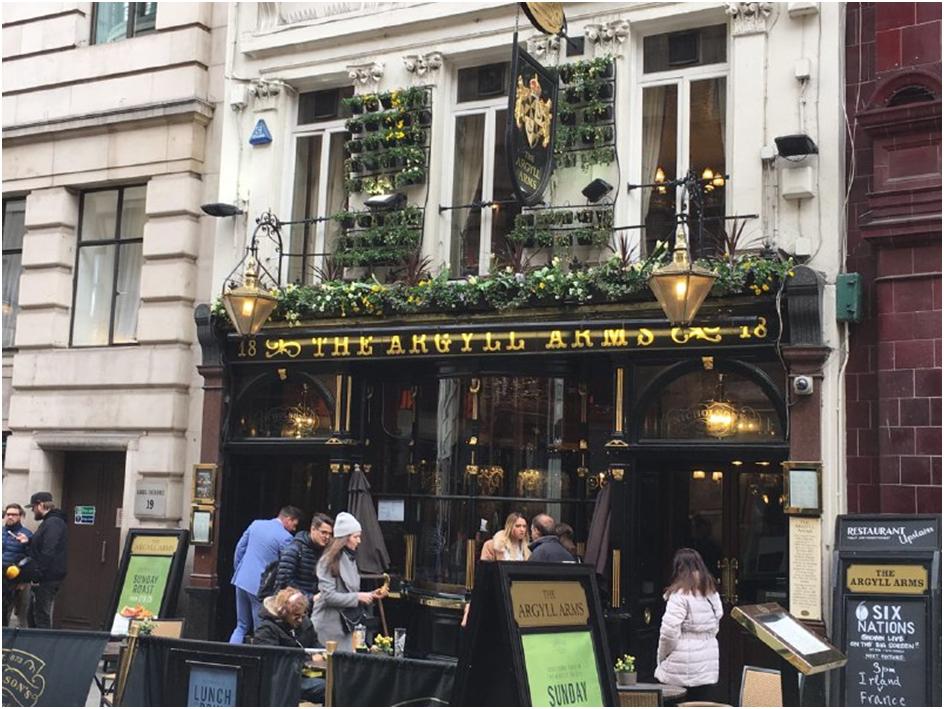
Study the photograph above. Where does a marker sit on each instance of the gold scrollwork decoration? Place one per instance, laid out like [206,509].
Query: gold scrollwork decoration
[490,479]
[289,348]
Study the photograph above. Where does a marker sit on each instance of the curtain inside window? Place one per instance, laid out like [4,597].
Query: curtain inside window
[660,118]
[304,204]
[92,306]
[129,293]
[467,188]
[336,199]
[14,214]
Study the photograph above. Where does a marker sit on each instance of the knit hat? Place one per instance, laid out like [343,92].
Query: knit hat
[345,524]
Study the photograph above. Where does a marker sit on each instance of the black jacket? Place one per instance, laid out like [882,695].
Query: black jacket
[47,549]
[549,549]
[272,630]
[297,564]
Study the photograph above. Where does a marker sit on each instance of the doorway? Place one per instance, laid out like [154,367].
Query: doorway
[256,486]
[732,514]
[93,487]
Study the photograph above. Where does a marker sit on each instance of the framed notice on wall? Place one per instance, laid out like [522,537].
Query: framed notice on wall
[802,488]
[149,576]
[204,484]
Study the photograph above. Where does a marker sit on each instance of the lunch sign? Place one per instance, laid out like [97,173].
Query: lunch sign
[457,341]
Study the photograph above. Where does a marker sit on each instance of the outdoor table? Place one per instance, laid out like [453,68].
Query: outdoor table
[670,692]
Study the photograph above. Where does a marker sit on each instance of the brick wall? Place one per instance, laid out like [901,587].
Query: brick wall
[893,376]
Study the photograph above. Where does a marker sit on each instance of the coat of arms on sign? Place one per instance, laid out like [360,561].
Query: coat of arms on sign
[532,112]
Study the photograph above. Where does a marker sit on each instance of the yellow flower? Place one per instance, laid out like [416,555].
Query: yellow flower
[766,287]
[791,274]
[541,286]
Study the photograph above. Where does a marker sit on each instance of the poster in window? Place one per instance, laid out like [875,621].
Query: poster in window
[529,137]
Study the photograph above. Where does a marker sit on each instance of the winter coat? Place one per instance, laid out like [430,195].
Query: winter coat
[297,565]
[257,548]
[549,548]
[500,548]
[273,630]
[688,648]
[335,593]
[48,548]
[13,549]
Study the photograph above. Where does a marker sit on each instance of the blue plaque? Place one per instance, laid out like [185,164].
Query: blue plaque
[260,134]
[212,685]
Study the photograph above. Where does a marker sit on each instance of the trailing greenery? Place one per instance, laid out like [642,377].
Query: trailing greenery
[585,226]
[554,284]
[389,137]
[585,125]
[378,238]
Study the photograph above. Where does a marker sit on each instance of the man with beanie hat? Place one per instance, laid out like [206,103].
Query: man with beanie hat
[48,558]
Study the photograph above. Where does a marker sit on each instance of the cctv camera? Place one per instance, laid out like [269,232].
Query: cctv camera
[803,385]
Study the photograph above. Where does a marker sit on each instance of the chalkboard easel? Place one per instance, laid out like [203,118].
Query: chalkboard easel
[535,637]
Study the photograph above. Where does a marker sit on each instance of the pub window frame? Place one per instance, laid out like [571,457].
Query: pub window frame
[314,247]
[11,252]
[118,243]
[492,131]
[131,22]
[682,78]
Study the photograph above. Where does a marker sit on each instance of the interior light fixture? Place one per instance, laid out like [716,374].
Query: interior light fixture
[597,190]
[660,178]
[392,200]
[737,462]
[221,209]
[717,476]
[698,475]
[681,286]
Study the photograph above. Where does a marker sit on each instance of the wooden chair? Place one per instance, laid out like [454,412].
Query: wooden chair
[760,687]
[640,697]
[165,628]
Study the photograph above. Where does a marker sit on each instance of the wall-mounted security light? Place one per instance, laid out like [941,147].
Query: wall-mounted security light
[393,200]
[221,209]
[597,190]
[798,145]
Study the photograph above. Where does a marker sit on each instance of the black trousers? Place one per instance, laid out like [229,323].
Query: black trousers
[16,599]
[44,597]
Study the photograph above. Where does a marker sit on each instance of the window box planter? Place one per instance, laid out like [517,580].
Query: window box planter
[371,104]
[566,73]
[568,118]
[355,146]
[605,91]
[364,220]
[573,95]
[386,100]
[425,117]
[355,127]
[599,114]
[372,124]
[585,216]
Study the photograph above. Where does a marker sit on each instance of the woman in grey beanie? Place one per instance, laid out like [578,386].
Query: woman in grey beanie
[339,584]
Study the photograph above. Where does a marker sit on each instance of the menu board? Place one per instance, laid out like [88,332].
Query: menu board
[562,669]
[887,653]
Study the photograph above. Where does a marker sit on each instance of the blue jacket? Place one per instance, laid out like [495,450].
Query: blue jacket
[14,551]
[260,544]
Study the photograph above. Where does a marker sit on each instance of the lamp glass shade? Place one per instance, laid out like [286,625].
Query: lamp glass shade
[680,286]
[249,306]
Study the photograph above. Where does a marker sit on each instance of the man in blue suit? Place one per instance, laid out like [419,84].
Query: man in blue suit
[257,548]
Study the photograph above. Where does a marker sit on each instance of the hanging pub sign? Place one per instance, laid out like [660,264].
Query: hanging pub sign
[886,610]
[529,137]
[547,17]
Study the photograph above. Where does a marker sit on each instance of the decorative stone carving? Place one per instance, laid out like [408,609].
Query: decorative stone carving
[748,17]
[264,94]
[422,64]
[365,75]
[606,35]
[291,12]
[544,46]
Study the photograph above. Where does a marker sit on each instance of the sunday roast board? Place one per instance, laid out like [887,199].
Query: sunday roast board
[535,637]
[149,576]
[886,610]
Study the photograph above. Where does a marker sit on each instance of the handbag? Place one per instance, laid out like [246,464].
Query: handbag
[352,617]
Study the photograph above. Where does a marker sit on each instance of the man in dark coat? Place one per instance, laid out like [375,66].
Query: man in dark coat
[16,595]
[47,557]
[546,545]
[298,560]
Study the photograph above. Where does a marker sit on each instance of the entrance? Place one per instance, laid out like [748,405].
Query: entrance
[91,498]
[257,486]
[732,514]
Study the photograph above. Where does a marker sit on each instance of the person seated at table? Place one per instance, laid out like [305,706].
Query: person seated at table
[284,621]
[688,646]
[565,533]
[510,543]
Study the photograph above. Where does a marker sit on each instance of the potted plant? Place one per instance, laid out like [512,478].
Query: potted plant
[625,668]
[354,126]
[567,116]
[355,104]
[371,103]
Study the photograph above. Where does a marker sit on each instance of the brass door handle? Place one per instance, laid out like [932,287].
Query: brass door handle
[729,569]
[104,545]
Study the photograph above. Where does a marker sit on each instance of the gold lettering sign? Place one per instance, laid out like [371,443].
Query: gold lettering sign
[542,604]
[426,342]
[154,546]
[906,579]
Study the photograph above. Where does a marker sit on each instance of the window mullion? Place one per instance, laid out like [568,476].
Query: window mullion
[129,30]
[684,139]
[322,200]
[114,282]
[488,188]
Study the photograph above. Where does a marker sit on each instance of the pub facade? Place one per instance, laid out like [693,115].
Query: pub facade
[473,354]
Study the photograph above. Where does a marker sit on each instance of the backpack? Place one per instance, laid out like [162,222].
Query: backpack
[267,580]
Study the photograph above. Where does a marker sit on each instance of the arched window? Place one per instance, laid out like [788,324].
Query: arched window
[732,402]
[284,405]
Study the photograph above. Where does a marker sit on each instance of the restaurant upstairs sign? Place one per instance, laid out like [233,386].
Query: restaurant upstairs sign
[457,341]
[529,136]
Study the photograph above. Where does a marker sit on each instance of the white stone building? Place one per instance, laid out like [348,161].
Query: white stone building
[110,146]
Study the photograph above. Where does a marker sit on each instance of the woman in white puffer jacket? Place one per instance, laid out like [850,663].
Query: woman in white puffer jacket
[688,647]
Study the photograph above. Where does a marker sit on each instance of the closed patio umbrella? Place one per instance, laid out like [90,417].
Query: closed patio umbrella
[598,539]
[372,555]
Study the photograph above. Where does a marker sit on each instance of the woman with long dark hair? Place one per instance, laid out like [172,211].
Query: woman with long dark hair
[339,584]
[688,646]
